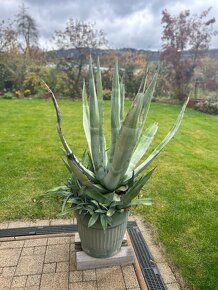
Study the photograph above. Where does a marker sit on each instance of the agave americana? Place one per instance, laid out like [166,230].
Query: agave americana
[107,181]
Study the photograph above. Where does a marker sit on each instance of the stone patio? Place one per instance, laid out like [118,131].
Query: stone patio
[48,262]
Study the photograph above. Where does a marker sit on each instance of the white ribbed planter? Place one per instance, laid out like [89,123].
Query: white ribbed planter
[99,243]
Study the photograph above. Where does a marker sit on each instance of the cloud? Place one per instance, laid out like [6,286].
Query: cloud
[127,23]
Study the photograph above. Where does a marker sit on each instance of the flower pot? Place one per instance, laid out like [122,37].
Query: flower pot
[99,243]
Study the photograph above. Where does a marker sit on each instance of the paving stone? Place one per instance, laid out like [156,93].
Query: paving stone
[39,250]
[91,285]
[19,288]
[11,245]
[3,225]
[124,257]
[173,286]
[57,253]
[33,280]
[72,247]
[18,224]
[110,279]
[19,281]
[35,242]
[38,223]
[49,268]
[73,262]
[62,267]
[54,281]
[60,222]
[130,278]
[9,257]
[157,254]
[5,283]
[166,273]
[89,275]
[75,276]
[30,265]
[8,271]
[27,251]
[58,240]
[148,237]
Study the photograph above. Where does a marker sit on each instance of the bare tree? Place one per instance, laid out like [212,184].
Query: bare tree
[27,29]
[8,36]
[82,36]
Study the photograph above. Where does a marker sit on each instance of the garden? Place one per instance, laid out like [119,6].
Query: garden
[103,182]
[184,186]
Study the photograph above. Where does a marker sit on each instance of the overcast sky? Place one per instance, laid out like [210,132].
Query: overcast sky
[127,23]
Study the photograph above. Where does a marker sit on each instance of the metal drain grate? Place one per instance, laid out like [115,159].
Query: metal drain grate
[149,270]
[43,230]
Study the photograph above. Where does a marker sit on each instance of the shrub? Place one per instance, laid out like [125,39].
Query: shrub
[207,106]
[107,94]
[8,96]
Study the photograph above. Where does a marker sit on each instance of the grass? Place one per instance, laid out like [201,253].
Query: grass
[184,186]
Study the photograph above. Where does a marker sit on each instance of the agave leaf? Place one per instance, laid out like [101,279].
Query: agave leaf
[96,195]
[125,145]
[142,146]
[146,79]
[115,113]
[134,191]
[84,175]
[99,188]
[86,122]
[67,165]
[100,108]
[122,98]
[93,219]
[129,134]
[122,188]
[94,125]
[143,83]
[164,142]
[147,101]
[77,171]
[143,201]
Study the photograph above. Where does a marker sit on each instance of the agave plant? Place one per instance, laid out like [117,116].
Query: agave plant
[107,181]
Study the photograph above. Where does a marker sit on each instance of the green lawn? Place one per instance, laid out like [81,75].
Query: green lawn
[184,185]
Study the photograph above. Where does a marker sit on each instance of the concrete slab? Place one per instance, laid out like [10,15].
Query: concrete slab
[85,262]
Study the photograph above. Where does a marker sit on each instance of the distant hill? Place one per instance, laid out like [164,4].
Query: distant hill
[151,56]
